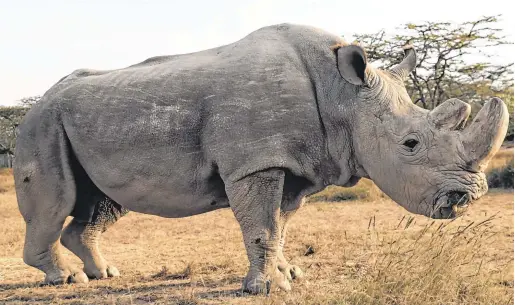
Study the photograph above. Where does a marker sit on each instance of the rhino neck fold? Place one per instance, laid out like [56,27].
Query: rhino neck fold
[335,102]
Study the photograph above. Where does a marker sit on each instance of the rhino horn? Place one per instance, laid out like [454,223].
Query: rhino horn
[483,138]
[408,64]
[451,114]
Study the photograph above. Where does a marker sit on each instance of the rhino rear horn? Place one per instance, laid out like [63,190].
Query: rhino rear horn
[483,138]
[408,64]
[451,114]
[352,63]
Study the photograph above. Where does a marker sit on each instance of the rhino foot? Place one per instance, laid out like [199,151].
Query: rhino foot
[82,238]
[66,277]
[101,273]
[291,272]
[259,285]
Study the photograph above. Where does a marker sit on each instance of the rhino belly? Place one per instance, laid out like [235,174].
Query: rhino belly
[168,200]
[176,205]
[160,182]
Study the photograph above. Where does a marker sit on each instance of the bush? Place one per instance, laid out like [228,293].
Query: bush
[501,177]
[340,195]
[365,190]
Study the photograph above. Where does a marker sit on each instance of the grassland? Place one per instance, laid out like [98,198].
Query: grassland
[367,251]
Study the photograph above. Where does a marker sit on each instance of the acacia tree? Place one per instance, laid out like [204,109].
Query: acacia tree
[445,52]
[10,118]
[30,101]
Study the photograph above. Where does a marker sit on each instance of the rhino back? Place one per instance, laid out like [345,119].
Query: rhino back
[168,130]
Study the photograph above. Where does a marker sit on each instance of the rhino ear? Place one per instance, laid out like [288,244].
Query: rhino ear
[352,62]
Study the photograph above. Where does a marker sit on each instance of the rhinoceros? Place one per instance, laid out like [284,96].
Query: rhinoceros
[255,126]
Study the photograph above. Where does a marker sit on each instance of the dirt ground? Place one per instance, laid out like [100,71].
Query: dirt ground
[353,252]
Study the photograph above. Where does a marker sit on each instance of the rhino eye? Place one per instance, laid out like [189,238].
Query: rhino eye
[411,143]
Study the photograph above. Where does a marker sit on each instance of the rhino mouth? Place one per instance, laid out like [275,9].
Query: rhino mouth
[451,204]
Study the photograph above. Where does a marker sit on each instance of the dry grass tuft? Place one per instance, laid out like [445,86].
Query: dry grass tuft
[167,275]
[439,264]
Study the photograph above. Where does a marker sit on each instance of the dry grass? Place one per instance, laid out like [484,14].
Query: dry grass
[6,180]
[365,252]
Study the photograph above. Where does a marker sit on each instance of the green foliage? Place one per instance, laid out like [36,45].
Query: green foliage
[501,177]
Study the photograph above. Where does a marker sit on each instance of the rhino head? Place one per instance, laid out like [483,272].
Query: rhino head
[424,160]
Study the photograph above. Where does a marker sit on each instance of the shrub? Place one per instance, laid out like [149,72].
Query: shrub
[364,190]
[501,177]
[340,195]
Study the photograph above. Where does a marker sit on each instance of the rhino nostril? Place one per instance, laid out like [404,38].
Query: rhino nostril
[452,204]
[457,198]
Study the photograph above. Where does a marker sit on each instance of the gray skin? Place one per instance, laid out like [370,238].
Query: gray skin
[255,125]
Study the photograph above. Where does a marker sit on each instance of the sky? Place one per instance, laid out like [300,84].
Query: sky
[42,41]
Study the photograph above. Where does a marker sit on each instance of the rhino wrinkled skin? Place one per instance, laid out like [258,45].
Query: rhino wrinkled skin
[255,125]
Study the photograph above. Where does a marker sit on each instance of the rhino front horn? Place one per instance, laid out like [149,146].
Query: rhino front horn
[409,62]
[483,138]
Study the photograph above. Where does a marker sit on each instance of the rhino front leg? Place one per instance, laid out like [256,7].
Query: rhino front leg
[256,203]
[290,271]
[82,238]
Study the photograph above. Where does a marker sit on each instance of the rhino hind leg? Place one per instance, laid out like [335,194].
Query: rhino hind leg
[46,191]
[82,237]
[293,199]
[291,272]
[42,251]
